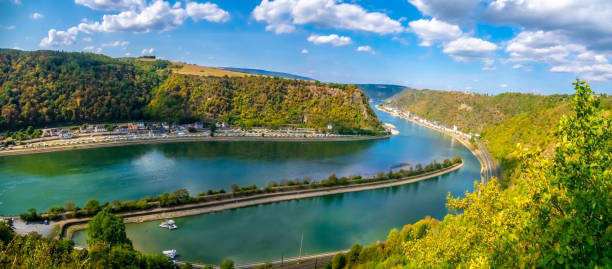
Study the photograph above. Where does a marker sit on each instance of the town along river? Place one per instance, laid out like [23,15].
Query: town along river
[266,232]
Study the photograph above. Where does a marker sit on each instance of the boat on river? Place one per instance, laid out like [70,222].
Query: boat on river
[170,253]
[169,224]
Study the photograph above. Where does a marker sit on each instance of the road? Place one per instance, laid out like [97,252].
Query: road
[305,262]
[490,167]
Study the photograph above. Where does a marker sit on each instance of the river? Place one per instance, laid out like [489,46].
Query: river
[266,232]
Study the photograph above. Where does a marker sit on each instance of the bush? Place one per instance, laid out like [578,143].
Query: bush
[182,196]
[31,215]
[337,262]
[92,207]
[227,264]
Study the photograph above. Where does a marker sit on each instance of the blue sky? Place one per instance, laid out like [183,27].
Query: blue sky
[487,46]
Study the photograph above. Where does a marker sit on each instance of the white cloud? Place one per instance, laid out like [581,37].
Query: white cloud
[283,15]
[558,50]
[128,54]
[333,39]
[541,46]
[305,51]
[87,39]
[158,15]
[569,35]
[503,85]
[441,9]
[7,27]
[585,21]
[37,16]
[367,49]
[93,49]
[430,31]
[17,47]
[148,52]
[206,11]
[122,44]
[457,44]
[111,5]
[59,38]
[470,48]
[16,2]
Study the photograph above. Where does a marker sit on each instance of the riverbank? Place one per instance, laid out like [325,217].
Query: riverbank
[489,168]
[67,227]
[304,262]
[178,139]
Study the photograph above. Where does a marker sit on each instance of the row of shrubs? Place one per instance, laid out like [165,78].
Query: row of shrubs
[182,196]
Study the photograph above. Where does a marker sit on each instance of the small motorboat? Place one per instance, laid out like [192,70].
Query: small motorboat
[168,224]
[170,253]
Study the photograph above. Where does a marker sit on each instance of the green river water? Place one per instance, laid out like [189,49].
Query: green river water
[260,233]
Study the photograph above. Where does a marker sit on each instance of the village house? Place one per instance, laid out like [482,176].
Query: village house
[50,132]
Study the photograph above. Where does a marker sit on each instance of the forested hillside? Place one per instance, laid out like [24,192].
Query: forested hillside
[43,88]
[557,214]
[263,101]
[502,120]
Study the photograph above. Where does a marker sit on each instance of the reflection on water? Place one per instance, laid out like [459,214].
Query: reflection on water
[272,231]
[133,172]
[328,223]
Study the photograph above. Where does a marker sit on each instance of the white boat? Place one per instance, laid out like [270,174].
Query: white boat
[168,224]
[170,253]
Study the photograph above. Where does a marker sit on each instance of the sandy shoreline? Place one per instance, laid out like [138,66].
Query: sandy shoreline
[68,227]
[487,164]
[187,139]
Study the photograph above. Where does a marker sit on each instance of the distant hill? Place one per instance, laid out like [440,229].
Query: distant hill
[266,73]
[380,91]
[503,120]
[43,88]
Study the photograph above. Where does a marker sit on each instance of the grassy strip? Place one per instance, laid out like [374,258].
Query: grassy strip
[182,196]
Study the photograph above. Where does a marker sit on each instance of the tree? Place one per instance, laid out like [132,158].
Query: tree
[227,264]
[235,188]
[31,215]
[338,261]
[92,207]
[6,233]
[182,196]
[107,228]
[69,206]
[582,175]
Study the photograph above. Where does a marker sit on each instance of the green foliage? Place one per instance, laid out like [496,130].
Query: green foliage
[263,101]
[557,214]
[227,264]
[44,88]
[582,172]
[92,207]
[33,251]
[6,233]
[337,262]
[31,215]
[108,229]
[502,120]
